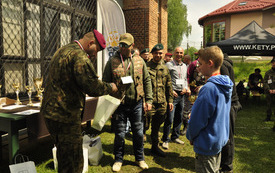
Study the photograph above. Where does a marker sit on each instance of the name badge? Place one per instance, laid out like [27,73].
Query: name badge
[127,80]
[269,81]
[179,81]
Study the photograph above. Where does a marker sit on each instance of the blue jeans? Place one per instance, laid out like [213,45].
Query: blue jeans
[175,117]
[134,113]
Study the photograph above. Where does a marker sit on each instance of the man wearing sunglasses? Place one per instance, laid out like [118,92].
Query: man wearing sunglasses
[130,75]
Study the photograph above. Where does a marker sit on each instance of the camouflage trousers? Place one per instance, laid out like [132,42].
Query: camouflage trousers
[158,114]
[68,141]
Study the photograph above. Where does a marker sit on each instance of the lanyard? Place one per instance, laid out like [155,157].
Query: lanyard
[179,72]
[81,47]
[125,70]
[215,74]
[79,44]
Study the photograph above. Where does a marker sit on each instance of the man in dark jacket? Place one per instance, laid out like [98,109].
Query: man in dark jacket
[269,87]
[130,74]
[228,149]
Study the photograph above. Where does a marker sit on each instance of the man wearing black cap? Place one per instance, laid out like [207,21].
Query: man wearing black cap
[71,76]
[130,74]
[145,54]
[269,88]
[162,94]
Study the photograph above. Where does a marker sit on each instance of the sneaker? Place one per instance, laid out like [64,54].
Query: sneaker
[178,141]
[165,145]
[117,166]
[142,164]
[157,151]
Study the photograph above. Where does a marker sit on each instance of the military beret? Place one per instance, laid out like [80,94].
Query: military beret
[158,46]
[168,54]
[100,39]
[146,50]
[126,38]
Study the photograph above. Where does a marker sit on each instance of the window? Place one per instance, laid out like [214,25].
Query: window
[207,34]
[214,32]
[218,31]
[29,38]
[242,3]
[12,22]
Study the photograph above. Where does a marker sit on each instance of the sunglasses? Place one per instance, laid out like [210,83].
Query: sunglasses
[124,45]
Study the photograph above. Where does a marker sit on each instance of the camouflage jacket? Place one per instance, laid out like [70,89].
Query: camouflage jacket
[71,76]
[161,82]
[269,80]
[141,88]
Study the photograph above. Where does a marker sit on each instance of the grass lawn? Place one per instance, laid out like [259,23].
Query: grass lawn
[244,69]
[255,143]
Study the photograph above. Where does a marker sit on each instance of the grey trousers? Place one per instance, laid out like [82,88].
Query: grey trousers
[207,164]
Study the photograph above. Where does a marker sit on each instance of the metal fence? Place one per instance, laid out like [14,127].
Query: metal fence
[32,30]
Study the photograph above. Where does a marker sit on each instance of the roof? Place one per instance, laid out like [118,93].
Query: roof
[251,40]
[239,6]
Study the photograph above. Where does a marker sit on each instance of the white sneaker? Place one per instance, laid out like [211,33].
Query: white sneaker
[178,141]
[165,145]
[142,164]
[117,166]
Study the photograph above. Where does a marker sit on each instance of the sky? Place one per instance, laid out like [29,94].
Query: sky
[195,10]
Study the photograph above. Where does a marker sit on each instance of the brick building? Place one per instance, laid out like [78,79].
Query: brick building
[147,21]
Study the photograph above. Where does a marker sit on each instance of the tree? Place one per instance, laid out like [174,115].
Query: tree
[177,23]
[190,51]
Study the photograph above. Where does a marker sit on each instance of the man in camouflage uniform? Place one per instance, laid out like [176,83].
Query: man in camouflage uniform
[71,76]
[162,94]
[269,88]
[130,74]
[144,54]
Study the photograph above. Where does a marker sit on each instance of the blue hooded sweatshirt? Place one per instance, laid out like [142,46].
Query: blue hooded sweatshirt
[208,127]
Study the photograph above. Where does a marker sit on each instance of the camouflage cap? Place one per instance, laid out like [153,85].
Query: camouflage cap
[146,50]
[158,46]
[126,38]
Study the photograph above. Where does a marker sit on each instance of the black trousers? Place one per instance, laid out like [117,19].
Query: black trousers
[228,150]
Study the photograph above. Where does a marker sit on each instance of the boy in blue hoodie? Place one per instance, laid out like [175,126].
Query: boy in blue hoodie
[208,128]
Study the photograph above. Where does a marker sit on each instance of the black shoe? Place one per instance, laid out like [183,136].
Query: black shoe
[183,132]
[157,151]
[221,171]
[267,119]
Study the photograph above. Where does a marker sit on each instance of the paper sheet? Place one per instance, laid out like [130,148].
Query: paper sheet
[28,112]
[37,104]
[13,107]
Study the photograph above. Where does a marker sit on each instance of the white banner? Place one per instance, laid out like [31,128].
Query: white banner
[113,24]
